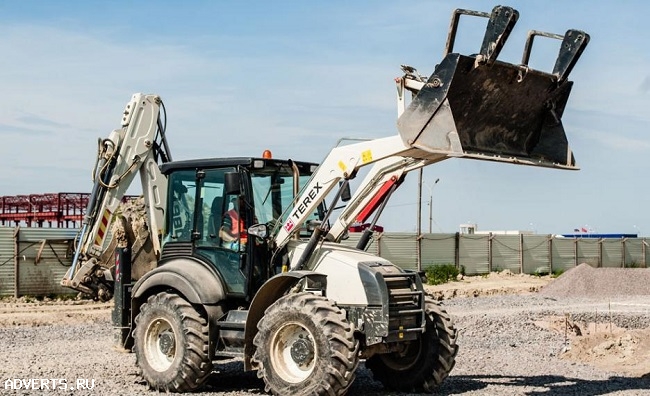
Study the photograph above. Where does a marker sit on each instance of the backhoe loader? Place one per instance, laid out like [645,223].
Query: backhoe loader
[285,296]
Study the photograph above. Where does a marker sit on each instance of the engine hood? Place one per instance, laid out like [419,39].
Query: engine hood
[354,277]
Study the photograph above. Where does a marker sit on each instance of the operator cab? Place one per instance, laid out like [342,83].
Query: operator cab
[212,203]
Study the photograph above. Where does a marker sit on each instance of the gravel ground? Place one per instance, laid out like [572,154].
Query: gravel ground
[502,352]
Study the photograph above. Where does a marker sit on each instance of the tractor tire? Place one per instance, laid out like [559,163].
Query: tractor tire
[424,364]
[171,344]
[305,346]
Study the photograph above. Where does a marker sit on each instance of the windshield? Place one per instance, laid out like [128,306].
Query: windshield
[273,193]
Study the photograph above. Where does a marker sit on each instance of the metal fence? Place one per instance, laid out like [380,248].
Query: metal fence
[34,260]
[529,254]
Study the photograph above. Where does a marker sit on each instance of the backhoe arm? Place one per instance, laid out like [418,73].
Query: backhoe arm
[137,147]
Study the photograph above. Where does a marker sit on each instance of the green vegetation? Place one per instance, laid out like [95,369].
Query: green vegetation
[556,273]
[29,299]
[439,274]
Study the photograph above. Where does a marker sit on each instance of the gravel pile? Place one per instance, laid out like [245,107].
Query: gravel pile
[502,352]
[587,281]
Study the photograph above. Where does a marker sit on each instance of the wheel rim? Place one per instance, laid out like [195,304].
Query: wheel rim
[293,353]
[160,344]
[405,359]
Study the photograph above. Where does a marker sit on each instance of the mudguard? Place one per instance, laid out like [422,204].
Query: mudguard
[193,279]
[269,293]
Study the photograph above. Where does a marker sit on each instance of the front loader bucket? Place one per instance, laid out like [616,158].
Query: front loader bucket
[475,106]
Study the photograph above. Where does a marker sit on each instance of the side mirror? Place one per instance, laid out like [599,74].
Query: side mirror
[258,230]
[345,194]
[232,183]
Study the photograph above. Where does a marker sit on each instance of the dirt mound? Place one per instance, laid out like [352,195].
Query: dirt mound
[587,281]
[617,350]
[603,345]
[494,283]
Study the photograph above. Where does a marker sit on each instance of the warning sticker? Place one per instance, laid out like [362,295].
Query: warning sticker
[366,156]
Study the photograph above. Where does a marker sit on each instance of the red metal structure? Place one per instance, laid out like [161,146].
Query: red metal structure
[61,210]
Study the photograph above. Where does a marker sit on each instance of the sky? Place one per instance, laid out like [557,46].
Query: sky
[294,77]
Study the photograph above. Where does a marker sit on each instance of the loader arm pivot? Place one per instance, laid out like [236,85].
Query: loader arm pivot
[474,107]
[137,147]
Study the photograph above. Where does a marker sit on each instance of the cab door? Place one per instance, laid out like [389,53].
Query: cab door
[200,206]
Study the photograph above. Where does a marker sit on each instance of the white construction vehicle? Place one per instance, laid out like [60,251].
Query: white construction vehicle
[248,259]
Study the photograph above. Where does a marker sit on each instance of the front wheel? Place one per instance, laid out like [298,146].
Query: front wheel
[423,364]
[305,346]
[171,344]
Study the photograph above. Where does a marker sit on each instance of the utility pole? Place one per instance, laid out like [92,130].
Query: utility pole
[430,212]
[419,222]
[418,241]
[431,205]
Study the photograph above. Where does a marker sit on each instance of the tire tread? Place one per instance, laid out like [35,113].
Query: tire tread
[344,358]
[195,365]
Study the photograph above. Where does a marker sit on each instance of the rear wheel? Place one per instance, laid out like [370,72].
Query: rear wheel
[424,364]
[171,344]
[305,346]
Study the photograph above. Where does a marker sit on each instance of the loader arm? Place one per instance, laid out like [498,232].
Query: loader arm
[473,107]
[341,164]
[374,190]
[137,147]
